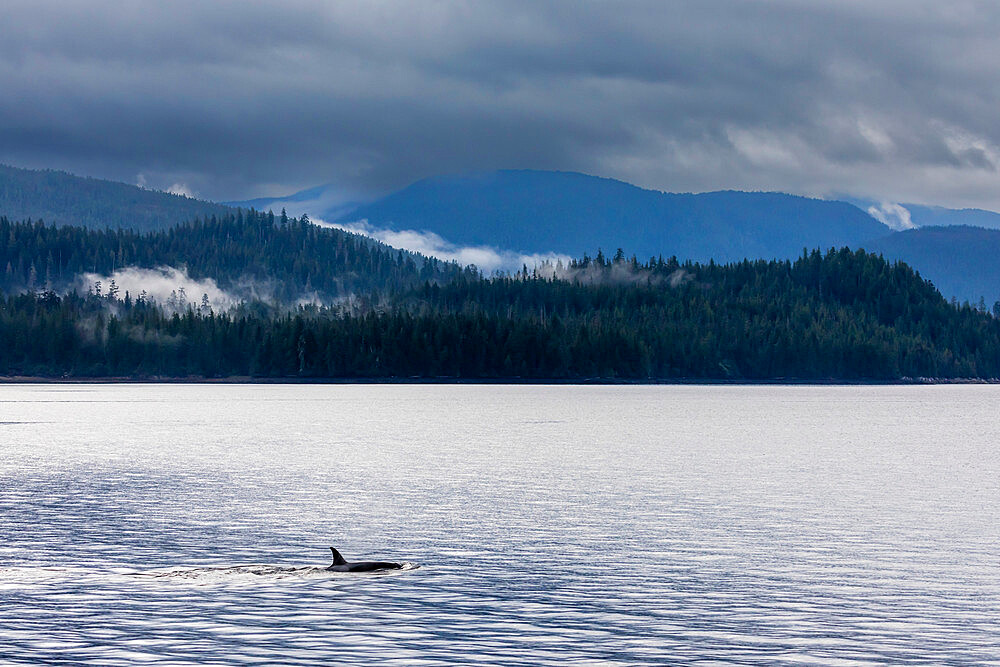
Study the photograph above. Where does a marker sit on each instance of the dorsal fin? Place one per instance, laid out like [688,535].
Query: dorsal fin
[337,558]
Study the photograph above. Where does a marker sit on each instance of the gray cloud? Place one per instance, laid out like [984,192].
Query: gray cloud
[892,100]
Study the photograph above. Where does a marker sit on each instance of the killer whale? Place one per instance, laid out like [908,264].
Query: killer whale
[341,565]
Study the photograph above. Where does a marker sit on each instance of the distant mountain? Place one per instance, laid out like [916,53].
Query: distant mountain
[264,203]
[937,216]
[323,202]
[540,212]
[571,213]
[64,199]
[908,216]
[960,260]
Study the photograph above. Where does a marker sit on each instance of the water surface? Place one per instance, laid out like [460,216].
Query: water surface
[190,523]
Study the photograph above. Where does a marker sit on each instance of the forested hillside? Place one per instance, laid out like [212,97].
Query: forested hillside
[543,212]
[961,261]
[291,256]
[63,199]
[845,315]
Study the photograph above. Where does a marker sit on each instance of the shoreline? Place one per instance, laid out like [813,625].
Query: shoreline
[906,381]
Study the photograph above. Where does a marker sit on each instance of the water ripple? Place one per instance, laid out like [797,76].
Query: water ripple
[186,524]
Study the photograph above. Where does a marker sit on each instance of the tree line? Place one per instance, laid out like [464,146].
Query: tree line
[843,315]
[291,255]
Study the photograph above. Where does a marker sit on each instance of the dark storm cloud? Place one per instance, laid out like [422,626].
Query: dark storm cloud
[895,100]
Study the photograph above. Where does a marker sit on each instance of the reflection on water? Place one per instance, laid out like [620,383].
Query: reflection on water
[607,524]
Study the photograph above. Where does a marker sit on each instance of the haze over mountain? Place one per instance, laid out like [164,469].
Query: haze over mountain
[325,202]
[541,211]
[938,216]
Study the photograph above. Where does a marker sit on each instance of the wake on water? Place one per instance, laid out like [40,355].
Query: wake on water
[269,571]
[13,576]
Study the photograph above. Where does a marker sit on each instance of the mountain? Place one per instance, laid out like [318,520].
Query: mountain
[904,216]
[541,212]
[571,213]
[64,199]
[937,216]
[960,260]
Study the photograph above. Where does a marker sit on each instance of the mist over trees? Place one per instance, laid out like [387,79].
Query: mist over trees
[292,256]
[841,315]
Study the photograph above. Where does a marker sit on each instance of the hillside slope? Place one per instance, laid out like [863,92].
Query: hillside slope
[64,199]
[962,261]
[248,254]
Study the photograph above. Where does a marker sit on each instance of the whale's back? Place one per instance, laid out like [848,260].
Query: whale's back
[341,565]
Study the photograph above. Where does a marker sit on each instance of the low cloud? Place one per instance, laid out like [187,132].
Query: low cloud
[178,188]
[181,189]
[487,259]
[618,273]
[679,277]
[325,201]
[894,216]
[168,286]
[173,289]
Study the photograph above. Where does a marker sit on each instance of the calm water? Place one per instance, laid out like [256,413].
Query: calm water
[631,525]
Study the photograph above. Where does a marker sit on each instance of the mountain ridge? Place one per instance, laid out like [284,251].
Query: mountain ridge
[61,198]
[535,212]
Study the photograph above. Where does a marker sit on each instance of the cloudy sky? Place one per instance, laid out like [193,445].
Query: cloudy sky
[893,100]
